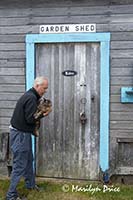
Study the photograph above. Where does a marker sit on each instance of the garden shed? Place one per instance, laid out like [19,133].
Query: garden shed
[90,70]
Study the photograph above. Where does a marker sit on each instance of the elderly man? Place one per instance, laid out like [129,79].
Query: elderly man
[21,129]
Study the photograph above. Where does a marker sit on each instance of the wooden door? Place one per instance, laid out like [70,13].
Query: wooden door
[68,146]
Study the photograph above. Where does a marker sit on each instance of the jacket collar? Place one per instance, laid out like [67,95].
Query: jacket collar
[35,92]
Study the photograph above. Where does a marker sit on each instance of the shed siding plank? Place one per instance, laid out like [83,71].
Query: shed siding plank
[121,62]
[12,54]
[121,125]
[62,3]
[12,46]
[126,53]
[6,112]
[122,71]
[12,96]
[126,9]
[122,36]
[121,133]
[122,44]
[7,104]
[14,21]
[17,29]
[114,90]
[57,3]
[12,38]
[104,19]
[4,129]
[23,12]
[114,98]
[121,116]
[7,63]
[11,71]
[122,81]
[76,10]
[84,19]
[5,120]
[12,80]
[121,107]
[11,87]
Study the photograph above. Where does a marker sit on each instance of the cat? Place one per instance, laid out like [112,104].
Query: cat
[44,106]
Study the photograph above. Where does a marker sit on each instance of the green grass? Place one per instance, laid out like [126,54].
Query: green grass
[62,190]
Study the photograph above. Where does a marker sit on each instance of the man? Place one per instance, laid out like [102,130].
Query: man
[21,129]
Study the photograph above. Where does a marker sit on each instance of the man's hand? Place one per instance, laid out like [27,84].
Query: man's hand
[46,113]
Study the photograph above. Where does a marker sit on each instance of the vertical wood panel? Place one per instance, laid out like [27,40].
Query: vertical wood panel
[94,107]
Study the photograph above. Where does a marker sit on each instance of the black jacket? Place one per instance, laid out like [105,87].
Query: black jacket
[26,106]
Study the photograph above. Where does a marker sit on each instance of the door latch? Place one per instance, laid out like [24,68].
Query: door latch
[83,118]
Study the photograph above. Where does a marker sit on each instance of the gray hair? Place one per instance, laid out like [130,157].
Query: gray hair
[39,80]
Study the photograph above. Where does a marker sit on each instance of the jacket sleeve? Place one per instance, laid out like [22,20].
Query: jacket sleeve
[30,109]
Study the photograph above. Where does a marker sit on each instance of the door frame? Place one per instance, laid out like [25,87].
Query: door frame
[104,40]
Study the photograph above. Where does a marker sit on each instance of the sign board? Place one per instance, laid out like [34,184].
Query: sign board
[69,73]
[68,28]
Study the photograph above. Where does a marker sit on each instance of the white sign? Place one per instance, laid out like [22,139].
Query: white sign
[68,28]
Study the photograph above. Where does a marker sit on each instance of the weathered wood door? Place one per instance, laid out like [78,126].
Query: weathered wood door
[68,145]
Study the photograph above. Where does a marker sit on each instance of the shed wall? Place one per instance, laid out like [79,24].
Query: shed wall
[22,17]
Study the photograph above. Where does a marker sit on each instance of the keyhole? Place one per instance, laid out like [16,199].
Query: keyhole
[92,97]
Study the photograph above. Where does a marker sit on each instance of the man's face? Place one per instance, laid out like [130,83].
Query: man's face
[41,89]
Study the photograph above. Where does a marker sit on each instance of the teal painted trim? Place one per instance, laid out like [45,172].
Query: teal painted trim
[127,95]
[30,64]
[30,68]
[82,37]
[104,39]
[104,106]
